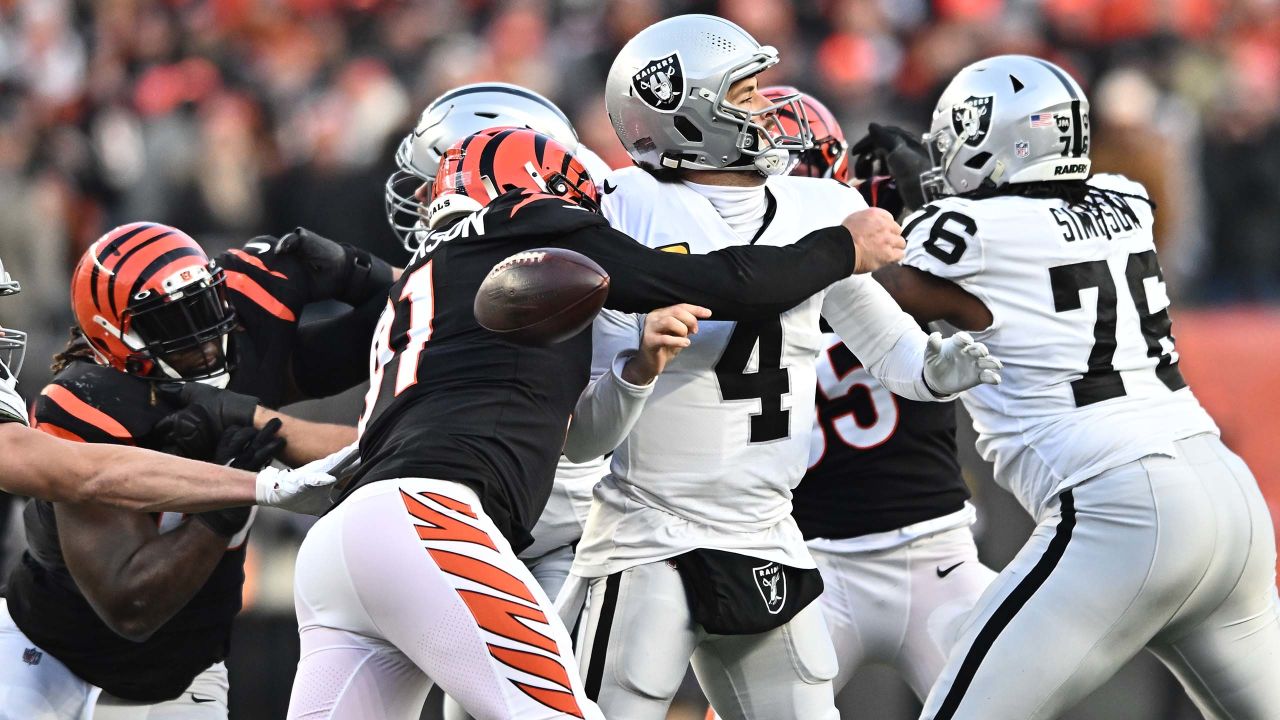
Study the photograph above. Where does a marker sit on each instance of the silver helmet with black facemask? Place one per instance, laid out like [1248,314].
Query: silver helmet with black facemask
[1004,120]
[667,97]
[13,346]
[454,115]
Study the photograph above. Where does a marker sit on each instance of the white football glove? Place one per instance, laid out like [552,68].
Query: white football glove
[958,363]
[305,489]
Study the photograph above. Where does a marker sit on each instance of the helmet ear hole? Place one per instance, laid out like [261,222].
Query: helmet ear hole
[687,129]
[977,161]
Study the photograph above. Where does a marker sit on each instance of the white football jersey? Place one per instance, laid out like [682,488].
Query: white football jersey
[12,407]
[1081,322]
[561,521]
[724,435]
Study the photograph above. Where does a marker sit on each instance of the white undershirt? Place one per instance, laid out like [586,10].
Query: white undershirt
[743,208]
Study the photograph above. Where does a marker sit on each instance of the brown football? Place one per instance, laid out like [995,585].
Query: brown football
[542,296]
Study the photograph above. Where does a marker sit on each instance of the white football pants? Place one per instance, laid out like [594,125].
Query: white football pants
[34,685]
[408,583]
[637,639]
[901,606]
[1176,555]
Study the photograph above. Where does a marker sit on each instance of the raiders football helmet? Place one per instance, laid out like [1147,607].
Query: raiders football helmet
[449,118]
[829,156]
[13,347]
[151,304]
[666,94]
[484,165]
[1007,119]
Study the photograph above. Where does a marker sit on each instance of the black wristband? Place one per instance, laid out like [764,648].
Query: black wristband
[366,274]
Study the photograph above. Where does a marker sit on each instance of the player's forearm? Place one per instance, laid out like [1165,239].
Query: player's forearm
[142,480]
[887,340]
[605,414]
[41,466]
[305,440]
[901,369]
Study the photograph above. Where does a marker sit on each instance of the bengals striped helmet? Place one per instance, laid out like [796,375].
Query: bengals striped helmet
[152,304]
[484,165]
[829,156]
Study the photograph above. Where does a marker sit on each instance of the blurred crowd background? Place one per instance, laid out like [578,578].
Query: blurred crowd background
[234,118]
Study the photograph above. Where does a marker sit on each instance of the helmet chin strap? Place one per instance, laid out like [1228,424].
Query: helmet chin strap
[775,161]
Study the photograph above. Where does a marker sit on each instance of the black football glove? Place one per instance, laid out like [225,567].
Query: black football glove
[207,413]
[243,448]
[890,150]
[337,271]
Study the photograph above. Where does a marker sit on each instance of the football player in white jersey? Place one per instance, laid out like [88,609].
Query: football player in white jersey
[1151,533]
[690,551]
[37,465]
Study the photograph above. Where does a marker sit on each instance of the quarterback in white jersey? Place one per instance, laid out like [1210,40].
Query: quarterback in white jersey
[1150,532]
[709,449]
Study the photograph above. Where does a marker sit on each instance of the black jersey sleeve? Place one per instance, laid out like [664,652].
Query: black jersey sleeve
[332,355]
[739,283]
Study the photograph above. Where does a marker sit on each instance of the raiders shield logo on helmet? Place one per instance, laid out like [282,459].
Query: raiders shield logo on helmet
[971,119]
[772,584]
[660,83]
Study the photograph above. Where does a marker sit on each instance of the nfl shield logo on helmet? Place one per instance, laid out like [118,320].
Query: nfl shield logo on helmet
[1022,148]
[660,83]
[32,656]
[971,119]
[772,584]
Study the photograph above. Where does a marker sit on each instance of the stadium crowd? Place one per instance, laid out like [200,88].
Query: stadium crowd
[233,118]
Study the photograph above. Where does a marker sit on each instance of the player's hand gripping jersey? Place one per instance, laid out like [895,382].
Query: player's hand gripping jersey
[452,401]
[1091,377]
[715,466]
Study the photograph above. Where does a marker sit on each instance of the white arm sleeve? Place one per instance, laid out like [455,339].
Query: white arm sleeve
[887,340]
[610,406]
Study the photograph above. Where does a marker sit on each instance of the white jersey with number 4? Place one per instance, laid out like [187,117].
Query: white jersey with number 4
[724,434]
[1090,377]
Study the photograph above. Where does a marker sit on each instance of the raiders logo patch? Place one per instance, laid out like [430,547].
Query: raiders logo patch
[772,584]
[971,119]
[660,83]
[677,248]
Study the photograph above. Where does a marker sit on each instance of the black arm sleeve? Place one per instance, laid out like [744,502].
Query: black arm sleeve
[332,355]
[746,282]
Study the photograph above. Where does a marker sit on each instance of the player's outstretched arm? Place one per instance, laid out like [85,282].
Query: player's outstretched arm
[41,466]
[738,283]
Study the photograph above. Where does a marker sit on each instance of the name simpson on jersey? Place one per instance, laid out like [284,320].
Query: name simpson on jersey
[1108,217]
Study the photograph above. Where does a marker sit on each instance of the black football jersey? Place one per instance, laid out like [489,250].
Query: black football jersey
[87,402]
[877,462]
[450,400]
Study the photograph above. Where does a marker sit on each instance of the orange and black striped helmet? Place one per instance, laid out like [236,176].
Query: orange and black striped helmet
[151,303]
[486,164]
[829,156]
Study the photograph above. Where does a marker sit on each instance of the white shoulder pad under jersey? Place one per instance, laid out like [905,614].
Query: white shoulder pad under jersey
[1081,323]
[724,435]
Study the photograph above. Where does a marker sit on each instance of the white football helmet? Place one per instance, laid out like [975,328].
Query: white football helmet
[1007,119]
[13,346]
[454,115]
[666,94]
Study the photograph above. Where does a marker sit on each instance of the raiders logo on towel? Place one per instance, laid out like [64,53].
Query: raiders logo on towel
[971,119]
[660,83]
[772,584]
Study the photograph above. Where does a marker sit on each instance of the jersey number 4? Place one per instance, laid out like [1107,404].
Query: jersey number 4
[768,383]
[1102,381]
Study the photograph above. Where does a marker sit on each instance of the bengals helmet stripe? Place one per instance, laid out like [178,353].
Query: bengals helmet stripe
[114,245]
[141,245]
[118,292]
